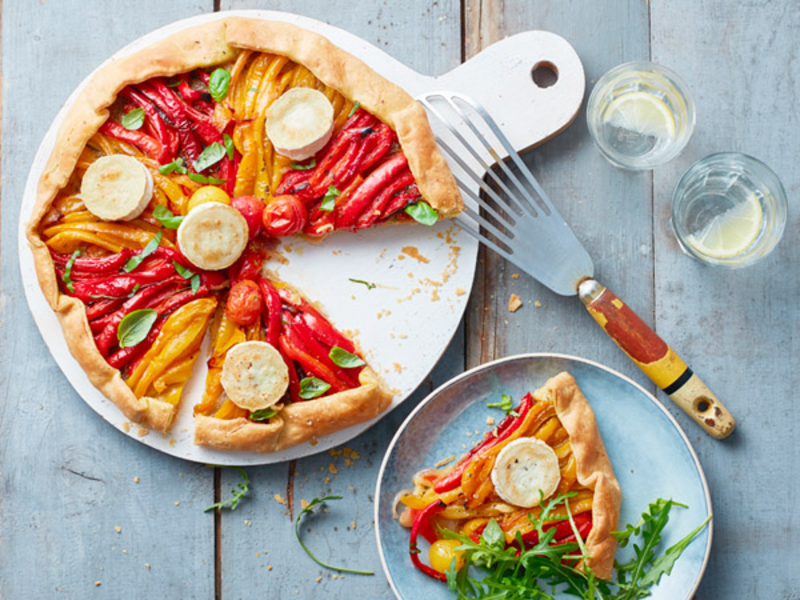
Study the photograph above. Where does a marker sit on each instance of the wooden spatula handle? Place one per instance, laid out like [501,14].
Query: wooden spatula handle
[656,359]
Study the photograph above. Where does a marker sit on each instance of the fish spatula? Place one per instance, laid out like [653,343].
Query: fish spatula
[515,218]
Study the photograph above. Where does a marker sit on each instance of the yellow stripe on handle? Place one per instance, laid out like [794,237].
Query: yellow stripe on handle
[656,359]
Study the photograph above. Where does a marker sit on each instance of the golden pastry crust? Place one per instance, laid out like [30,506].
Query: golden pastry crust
[593,467]
[210,44]
[298,422]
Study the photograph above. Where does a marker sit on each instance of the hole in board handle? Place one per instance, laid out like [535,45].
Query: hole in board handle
[702,404]
[544,74]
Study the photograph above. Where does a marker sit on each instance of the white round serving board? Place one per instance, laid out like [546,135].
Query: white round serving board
[405,324]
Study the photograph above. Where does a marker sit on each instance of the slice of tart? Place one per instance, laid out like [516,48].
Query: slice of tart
[546,447]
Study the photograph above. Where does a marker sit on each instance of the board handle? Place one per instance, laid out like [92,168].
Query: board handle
[656,359]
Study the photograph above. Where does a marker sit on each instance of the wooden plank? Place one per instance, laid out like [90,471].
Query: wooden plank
[68,479]
[608,209]
[739,328]
[260,534]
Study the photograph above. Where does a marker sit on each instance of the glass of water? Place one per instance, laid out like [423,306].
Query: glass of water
[729,210]
[640,115]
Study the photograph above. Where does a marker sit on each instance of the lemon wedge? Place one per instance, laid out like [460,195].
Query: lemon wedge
[642,113]
[731,233]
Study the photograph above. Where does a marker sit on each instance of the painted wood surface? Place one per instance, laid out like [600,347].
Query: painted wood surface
[67,479]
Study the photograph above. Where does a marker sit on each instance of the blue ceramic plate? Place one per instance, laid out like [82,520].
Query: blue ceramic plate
[650,454]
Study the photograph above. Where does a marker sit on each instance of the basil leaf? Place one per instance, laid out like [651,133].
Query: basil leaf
[228,145]
[172,84]
[343,358]
[505,404]
[353,110]
[134,119]
[210,156]
[135,326]
[263,415]
[203,179]
[311,387]
[175,165]
[182,271]
[134,290]
[422,213]
[135,261]
[299,167]
[329,200]
[493,535]
[195,283]
[165,216]
[68,271]
[218,84]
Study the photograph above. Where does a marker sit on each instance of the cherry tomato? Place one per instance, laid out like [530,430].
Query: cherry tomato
[286,215]
[442,553]
[208,193]
[252,210]
[244,303]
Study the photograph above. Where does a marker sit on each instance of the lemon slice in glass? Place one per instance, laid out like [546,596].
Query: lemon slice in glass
[643,113]
[731,233]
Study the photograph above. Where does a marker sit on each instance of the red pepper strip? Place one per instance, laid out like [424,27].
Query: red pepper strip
[320,223]
[563,530]
[420,523]
[401,200]
[294,380]
[375,211]
[165,135]
[171,112]
[247,267]
[384,137]
[102,308]
[318,351]
[293,182]
[173,303]
[177,106]
[105,264]
[203,76]
[322,175]
[273,315]
[584,527]
[227,171]
[292,347]
[358,120]
[121,285]
[176,283]
[324,331]
[189,93]
[190,146]
[123,356]
[107,338]
[506,427]
[204,107]
[149,145]
[372,186]
[213,280]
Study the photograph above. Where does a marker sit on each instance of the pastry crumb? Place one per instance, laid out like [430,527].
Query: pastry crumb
[279,499]
[514,303]
[318,579]
[444,461]
[141,432]
[248,523]
[353,524]
[147,566]
[172,442]
[332,468]
[98,583]
[313,443]
[118,529]
[136,479]
[460,291]
[515,276]
[537,304]
[126,427]
[398,367]
[303,504]
[269,567]
[490,421]
[177,503]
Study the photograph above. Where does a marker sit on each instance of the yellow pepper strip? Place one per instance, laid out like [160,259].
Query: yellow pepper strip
[457,511]
[563,450]
[271,85]
[248,167]
[228,335]
[173,394]
[69,204]
[183,329]
[211,393]
[559,436]
[569,473]
[229,410]
[69,241]
[179,372]
[236,73]
[578,504]
[545,432]
[261,184]
[419,502]
[249,99]
[221,116]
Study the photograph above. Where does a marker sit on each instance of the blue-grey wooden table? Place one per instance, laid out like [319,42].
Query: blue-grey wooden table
[86,512]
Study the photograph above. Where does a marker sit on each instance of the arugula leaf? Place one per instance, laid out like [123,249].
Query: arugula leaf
[664,563]
[212,154]
[311,387]
[422,213]
[218,84]
[493,536]
[239,492]
[345,359]
[370,286]
[299,167]
[175,165]
[329,199]
[228,145]
[166,217]
[135,326]
[67,279]
[505,404]
[196,177]
[263,415]
[134,119]
[307,510]
[353,110]
[151,247]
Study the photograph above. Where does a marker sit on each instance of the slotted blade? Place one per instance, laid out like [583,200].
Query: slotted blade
[507,210]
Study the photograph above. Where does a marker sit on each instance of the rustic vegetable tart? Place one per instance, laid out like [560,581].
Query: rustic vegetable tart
[172,174]
[547,447]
